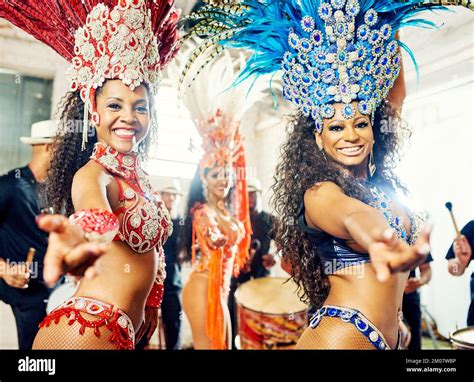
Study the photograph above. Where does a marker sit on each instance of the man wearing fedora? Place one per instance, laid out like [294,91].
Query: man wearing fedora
[22,198]
[169,191]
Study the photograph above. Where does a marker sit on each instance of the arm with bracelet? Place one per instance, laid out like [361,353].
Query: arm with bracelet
[76,242]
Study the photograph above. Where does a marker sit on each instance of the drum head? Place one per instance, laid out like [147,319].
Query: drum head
[463,338]
[270,295]
[60,294]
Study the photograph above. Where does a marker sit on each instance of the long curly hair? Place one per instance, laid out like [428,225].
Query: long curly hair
[301,166]
[68,156]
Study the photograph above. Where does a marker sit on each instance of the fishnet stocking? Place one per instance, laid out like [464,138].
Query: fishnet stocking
[65,336]
[333,333]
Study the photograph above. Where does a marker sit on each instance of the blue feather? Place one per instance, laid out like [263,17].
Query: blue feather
[263,27]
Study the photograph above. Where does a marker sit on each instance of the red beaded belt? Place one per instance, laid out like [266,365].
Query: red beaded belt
[117,321]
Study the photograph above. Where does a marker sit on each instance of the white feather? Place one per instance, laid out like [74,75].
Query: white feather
[213,88]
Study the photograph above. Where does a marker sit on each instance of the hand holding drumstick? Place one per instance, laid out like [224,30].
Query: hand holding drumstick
[461,248]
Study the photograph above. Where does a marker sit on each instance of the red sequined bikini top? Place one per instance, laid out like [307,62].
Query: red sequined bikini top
[144,220]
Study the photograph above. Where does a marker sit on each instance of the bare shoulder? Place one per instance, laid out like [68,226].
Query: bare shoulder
[326,207]
[89,186]
[90,172]
[321,191]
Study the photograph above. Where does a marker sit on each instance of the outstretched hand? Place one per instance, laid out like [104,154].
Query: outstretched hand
[389,254]
[68,251]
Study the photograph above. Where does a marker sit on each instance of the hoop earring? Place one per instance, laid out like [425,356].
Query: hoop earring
[372,167]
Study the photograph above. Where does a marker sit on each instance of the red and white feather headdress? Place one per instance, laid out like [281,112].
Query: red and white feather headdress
[131,40]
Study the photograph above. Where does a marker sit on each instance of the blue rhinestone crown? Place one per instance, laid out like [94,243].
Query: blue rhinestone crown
[344,63]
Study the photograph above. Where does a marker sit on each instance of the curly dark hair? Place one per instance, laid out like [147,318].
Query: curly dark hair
[68,156]
[301,166]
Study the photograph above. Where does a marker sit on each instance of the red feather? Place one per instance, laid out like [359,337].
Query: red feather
[42,20]
[168,38]
[54,22]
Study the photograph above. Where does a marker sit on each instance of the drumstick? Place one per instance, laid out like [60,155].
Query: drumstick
[30,256]
[449,206]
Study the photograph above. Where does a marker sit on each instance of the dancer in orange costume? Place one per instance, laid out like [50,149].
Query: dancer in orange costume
[217,232]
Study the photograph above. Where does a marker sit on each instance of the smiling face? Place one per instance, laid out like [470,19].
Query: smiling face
[347,141]
[253,200]
[219,182]
[124,115]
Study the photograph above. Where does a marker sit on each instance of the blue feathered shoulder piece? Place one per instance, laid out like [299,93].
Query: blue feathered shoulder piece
[330,51]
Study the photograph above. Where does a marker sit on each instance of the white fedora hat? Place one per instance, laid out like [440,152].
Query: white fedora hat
[171,186]
[254,185]
[41,133]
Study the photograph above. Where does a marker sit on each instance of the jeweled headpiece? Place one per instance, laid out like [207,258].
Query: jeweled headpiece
[221,141]
[333,58]
[330,51]
[115,43]
[131,40]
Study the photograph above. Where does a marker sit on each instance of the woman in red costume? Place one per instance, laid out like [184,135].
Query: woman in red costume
[116,228]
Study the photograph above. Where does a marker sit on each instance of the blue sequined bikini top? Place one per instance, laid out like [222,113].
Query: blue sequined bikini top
[334,252]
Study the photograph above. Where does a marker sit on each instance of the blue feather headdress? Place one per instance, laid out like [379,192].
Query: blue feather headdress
[330,51]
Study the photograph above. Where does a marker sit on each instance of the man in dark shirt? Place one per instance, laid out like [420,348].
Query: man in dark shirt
[171,305]
[411,302]
[169,192]
[22,198]
[460,256]
[260,260]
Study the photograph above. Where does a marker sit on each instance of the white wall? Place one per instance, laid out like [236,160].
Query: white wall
[264,130]
[438,168]
[8,334]
[439,164]
[26,56]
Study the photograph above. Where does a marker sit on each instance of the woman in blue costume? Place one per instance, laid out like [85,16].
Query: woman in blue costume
[350,243]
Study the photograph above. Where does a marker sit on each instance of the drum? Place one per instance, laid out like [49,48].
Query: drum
[269,314]
[60,294]
[463,339]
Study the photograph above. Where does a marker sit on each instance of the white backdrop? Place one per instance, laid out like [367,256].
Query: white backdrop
[439,164]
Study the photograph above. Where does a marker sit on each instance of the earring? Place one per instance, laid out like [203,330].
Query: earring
[95,119]
[205,191]
[372,167]
[321,150]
